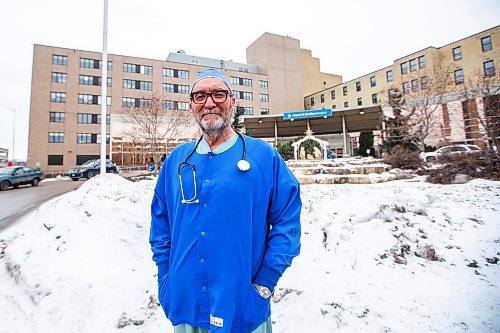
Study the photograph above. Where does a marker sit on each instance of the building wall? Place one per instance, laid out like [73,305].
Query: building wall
[280,59]
[314,79]
[439,64]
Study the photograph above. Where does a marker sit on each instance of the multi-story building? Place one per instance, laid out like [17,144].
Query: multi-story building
[467,59]
[66,94]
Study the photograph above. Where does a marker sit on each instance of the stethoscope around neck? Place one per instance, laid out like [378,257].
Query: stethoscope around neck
[243,165]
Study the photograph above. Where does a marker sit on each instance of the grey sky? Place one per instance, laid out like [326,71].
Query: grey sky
[351,38]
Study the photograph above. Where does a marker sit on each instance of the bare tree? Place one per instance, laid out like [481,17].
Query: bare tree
[155,125]
[486,88]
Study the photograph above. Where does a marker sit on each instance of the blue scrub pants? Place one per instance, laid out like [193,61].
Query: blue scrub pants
[265,327]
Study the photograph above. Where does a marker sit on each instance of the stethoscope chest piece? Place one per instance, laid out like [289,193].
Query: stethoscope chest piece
[243,165]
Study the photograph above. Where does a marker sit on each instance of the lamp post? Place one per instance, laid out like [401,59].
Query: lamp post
[13,128]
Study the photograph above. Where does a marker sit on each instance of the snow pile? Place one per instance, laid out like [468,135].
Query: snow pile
[393,257]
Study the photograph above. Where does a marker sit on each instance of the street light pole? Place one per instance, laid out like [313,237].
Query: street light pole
[104,87]
[13,129]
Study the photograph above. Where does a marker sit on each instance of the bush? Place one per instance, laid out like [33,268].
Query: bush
[479,165]
[403,158]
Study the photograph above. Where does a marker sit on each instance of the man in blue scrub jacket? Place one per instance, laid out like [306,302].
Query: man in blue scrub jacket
[225,221]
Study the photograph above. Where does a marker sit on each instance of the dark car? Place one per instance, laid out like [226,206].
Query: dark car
[91,168]
[19,175]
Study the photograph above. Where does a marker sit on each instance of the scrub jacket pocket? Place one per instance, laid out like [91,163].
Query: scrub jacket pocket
[164,294]
[256,310]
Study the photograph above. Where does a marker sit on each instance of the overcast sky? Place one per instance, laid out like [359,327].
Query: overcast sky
[351,38]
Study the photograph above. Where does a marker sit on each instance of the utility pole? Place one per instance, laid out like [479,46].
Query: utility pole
[104,87]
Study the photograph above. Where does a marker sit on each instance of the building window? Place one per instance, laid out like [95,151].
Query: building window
[459,76]
[344,91]
[264,111]
[93,63]
[404,68]
[421,62]
[240,81]
[391,92]
[486,43]
[139,85]
[59,77]
[360,101]
[55,159]
[175,88]
[406,87]
[334,106]
[243,95]
[312,101]
[388,76]
[489,68]
[92,99]
[346,104]
[90,80]
[358,86]
[333,94]
[56,137]
[247,110]
[322,98]
[423,82]
[374,98]
[59,60]
[128,102]
[58,97]
[263,84]
[90,118]
[175,105]
[413,65]
[414,85]
[139,69]
[373,81]
[457,53]
[264,97]
[86,138]
[179,73]
[56,117]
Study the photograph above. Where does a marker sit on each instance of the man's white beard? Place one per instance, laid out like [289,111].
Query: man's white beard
[216,127]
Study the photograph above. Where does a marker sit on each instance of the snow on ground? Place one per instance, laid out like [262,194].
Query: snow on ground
[391,257]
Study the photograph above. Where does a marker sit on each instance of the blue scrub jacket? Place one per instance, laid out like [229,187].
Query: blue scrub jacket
[244,230]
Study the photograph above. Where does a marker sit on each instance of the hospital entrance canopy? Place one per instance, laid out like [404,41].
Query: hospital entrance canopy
[325,121]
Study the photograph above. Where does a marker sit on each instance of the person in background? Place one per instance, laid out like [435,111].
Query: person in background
[225,221]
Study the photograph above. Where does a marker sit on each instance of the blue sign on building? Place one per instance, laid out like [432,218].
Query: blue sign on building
[307,114]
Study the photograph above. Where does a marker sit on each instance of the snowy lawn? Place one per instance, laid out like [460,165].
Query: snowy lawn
[403,256]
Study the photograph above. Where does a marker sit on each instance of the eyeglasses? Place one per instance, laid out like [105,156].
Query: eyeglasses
[218,96]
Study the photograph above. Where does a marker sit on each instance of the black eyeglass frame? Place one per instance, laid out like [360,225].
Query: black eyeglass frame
[226,92]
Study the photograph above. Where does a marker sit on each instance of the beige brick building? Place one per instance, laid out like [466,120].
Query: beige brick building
[468,58]
[66,86]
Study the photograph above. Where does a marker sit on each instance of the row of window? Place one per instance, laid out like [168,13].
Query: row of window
[62,60]
[485,46]
[413,65]
[414,85]
[248,110]
[142,102]
[58,137]
[82,118]
[346,104]
[488,68]
[80,159]
[143,69]
[241,81]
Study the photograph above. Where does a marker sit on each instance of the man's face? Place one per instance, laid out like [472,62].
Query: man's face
[213,117]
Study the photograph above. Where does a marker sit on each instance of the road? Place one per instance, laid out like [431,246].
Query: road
[14,203]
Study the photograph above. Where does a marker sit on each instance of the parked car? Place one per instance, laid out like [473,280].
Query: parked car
[91,168]
[453,149]
[19,175]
